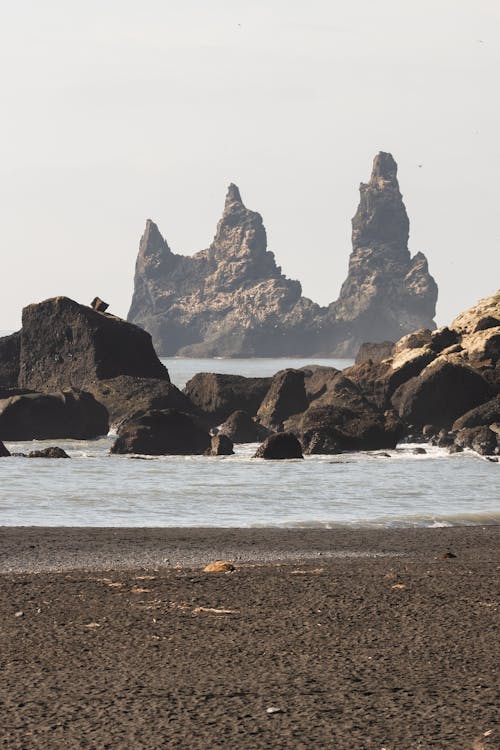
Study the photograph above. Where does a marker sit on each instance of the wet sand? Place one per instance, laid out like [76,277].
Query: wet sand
[116,638]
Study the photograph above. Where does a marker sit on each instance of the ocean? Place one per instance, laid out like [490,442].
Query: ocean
[354,489]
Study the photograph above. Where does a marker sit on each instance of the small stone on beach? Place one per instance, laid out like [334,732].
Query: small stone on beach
[219,566]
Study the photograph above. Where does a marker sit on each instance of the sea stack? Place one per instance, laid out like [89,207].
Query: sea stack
[232,299]
[387,292]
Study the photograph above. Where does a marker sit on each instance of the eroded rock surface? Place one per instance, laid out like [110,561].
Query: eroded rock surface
[282,445]
[69,414]
[166,432]
[68,345]
[232,299]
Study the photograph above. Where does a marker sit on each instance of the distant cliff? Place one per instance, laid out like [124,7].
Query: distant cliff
[233,300]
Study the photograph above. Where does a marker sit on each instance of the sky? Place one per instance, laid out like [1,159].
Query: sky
[115,111]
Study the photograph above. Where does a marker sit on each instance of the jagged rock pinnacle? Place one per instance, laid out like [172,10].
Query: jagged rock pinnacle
[384,168]
[151,240]
[233,195]
[232,299]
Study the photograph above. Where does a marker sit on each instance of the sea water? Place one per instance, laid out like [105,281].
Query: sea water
[368,489]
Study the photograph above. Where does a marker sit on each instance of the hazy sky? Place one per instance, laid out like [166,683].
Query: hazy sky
[116,111]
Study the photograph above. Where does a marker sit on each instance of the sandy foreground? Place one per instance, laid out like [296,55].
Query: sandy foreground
[116,638]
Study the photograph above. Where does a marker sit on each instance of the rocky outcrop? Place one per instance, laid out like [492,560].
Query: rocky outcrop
[376,352]
[440,394]
[10,347]
[4,453]
[70,414]
[484,415]
[340,418]
[158,433]
[217,395]
[482,440]
[220,445]
[53,452]
[239,427]
[126,397]
[286,397]
[387,293]
[65,344]
[282,445]
[233,300]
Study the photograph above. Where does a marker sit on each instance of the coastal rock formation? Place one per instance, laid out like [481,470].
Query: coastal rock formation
[125,397]
[282,445]
[233,300]
[442,392]
[10,347]
[220,445]
[376,352]
[4,453]
[158,433]
[217,395]
[239,427]
[53,452]
[65,344]
[286,396]
[41,416]
[387,293]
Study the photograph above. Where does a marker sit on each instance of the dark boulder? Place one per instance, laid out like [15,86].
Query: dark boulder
[379,381]
[341,418]
[440,394]
[53,452]
[239,427]
[443,338]
[99,305]
[218,395]
[125,397]
[489,321]
[10,347]
[482,440]
[71,414]
[318,379]
[220,445]
[483,415]
[280,446]
[4,453]
[285,397]
[65,344]
[157,433]
[374,351]
[336,428]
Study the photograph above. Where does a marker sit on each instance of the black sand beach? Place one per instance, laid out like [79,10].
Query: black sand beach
[116,638]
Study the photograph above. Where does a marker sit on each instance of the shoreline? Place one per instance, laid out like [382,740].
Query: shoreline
[34,549]
[117,638]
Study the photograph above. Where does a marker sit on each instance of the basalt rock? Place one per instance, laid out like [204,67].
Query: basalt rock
[484,415]
[53,452]
[126,397]
[375,352]
[220,445]
[387,292]
[239,427]
[233,300]
[441,393]
[217,395]
[166,432]
[4,453]
[10,347]
[482,440]
[286,397]
[70,414]
[282,445]
[325,429]
[65,344]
